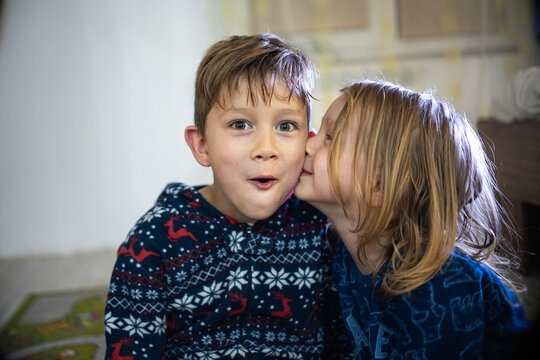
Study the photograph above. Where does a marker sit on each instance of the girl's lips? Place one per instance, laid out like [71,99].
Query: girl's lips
[305,172]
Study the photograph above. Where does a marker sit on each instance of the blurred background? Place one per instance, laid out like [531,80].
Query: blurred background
[95,95]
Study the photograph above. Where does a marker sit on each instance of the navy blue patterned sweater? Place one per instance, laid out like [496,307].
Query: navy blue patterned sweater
[191,283]
[464,312]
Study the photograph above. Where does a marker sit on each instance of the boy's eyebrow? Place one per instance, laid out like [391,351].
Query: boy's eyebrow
[247,110]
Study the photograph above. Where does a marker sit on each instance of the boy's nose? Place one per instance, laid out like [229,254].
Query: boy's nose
[265,146]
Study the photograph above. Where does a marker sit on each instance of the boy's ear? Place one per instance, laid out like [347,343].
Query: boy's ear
[197,144]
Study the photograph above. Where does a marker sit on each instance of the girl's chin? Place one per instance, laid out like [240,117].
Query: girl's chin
[299,192]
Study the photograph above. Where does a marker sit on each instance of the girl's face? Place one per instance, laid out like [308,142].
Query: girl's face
[314,185]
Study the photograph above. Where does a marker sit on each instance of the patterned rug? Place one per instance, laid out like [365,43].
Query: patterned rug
[59,325]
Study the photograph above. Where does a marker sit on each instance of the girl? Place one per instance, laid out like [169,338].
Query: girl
[421,266]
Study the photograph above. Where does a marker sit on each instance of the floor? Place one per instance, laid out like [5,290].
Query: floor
[20,277]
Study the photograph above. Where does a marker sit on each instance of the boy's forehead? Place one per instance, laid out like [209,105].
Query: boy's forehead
[245,95]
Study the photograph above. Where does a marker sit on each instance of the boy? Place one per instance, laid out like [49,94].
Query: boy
[236,269]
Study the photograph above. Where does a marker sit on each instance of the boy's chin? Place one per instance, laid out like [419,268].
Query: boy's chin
[262,213]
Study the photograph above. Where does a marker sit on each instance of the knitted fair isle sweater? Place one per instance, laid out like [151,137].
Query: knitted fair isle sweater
[191,283]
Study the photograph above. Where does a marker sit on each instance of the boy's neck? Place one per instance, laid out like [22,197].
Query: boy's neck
[208,194]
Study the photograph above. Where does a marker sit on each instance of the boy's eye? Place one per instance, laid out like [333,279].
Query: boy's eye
[240,125]
[287,126]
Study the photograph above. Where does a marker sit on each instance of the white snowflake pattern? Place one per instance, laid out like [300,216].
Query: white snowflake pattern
[276,278]
[236,350]
[136,294]
[221,253]
[207,355]
[292,355]
[159,325]
[271,351]
[270,336]
[235,334]
[208,260]
[152,294]
[125,290]
[256,334]
[185,303]
[305,277]
[236,239]
[135,326]
[110,323]
[280,245]
[255,278]
[181,276]
[195,267]
[206,340]
[112,288]
[212,292]
[153,213]
[294,339]
[220,336]
[292,245]
[282,336]
[236,278]
[303,243]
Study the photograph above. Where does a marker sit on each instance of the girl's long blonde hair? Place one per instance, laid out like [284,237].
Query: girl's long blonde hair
[436,183]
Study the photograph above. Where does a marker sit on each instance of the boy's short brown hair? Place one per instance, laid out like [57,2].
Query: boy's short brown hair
[260,60]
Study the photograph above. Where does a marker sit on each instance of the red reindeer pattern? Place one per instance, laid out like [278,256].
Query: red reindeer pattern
[243,302]
[174,235]
[286,312]
[115,355]
[143,254]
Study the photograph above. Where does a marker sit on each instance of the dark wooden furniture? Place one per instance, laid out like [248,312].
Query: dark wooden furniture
[516,150]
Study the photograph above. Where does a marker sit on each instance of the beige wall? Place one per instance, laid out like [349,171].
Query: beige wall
[467,50]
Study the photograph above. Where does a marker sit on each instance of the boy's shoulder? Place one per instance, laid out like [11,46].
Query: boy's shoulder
[177,203]
[178,193]
[179,212]
[175,199]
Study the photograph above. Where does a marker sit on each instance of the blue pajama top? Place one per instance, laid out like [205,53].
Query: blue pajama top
[464,312]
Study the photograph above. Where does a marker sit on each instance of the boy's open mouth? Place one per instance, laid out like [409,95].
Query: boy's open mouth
[263,182]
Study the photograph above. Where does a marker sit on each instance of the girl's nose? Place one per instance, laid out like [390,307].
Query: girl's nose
[310,146]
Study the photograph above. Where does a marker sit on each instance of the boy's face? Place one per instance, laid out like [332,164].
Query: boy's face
[256,152]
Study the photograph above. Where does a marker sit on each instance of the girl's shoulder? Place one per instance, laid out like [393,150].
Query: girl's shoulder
[460,271]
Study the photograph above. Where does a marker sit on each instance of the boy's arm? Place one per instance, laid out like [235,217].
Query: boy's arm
[337,344]
[135,314]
